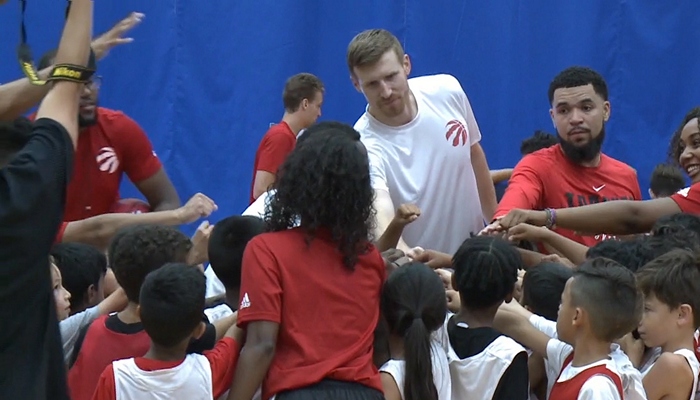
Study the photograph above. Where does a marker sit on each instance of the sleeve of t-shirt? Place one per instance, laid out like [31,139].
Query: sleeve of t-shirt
[71,327]
[634,184]
[139,160]
[557,351]
[223,359]
[599,387]
[688,199]
[61,232]
[544,325]
[515,381]
[106,387]
[274,149]
[472,127]
[377,167]
[524,188]
[261,286]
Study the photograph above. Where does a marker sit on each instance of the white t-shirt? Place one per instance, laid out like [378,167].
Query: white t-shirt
[441,372]
[427,162]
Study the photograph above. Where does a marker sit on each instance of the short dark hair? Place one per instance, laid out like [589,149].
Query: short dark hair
[226,245]
[543,285]
[628,253]
[579,76]
[674,279]
[172,303]
[666,180]
[675,148]
[299,87]
[81,265]
[540,140]
[142,249]
[14,135]
[608,292]
[485,271]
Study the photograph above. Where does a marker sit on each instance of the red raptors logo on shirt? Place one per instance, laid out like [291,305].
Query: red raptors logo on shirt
[457,132]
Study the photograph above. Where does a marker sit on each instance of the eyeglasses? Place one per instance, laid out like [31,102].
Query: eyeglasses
[95,82]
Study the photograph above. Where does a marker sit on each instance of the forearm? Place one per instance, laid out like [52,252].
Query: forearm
[253,363]
[573,251]
[500,175]
[487,193]
[17,97]
[167,205]
[391,237]
[620,217]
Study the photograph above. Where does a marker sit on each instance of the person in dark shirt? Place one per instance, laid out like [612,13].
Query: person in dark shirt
[32,195]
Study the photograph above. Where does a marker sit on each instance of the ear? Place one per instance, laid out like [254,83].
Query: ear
[606,111]
[685,314]
[355,83]
[91,294]
[509,297]
[453,282]
[199,330]
[651,194]
[406,64]
[138,311]
[579,315]
[305,104]
[551,115]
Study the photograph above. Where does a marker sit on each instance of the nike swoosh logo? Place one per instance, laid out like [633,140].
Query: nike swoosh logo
[598,189]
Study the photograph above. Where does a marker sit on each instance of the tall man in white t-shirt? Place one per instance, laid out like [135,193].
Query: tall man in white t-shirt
[423,145]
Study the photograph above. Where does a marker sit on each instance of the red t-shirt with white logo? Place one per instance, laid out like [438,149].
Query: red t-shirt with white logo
[548,179]
[116,144]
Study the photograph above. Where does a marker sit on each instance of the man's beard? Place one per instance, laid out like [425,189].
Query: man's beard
[586,153]
[86,122]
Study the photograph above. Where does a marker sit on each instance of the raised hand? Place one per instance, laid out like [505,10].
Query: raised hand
[114,37]
[198,206]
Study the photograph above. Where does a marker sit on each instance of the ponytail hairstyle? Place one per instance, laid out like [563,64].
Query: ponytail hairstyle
[414,306]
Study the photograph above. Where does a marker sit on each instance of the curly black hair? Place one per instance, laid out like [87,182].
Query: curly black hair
[538,141]
[324,183]
[578,76]
[675,147]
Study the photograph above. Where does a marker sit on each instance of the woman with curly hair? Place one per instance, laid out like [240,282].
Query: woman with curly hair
[310,286]
[628,217]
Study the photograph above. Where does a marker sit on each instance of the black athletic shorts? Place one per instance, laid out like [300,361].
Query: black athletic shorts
[332,390]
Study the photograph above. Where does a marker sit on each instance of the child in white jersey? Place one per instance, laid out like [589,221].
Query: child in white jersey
[414,307]
[171,303]
[671,287]
[484,364]
[599,304]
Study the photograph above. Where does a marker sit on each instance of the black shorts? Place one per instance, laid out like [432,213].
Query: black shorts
[332,390]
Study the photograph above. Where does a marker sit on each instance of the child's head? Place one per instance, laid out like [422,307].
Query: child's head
[543,285]
[671,287]
[143,249]
[676,222]
[666,179]
[60,294]
[83,268]
[226,245]
[172,303]
[414,305]
[485,272]
[626,252]
[601,299]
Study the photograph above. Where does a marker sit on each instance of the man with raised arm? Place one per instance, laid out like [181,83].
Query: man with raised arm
[32,196]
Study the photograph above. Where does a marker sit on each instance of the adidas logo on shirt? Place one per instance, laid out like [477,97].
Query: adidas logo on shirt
[245,303]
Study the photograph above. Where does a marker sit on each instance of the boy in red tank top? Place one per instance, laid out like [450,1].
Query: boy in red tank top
[600,303]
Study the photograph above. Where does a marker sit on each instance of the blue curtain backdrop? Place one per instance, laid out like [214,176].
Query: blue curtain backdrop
[204,78]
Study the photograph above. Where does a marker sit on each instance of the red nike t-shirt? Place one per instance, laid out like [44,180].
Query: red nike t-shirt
[548,179]
[106,150]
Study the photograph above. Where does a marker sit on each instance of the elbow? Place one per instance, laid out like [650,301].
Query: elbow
[265,349]
[633,220]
